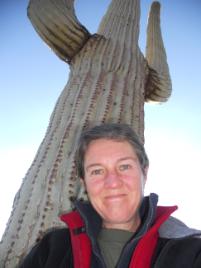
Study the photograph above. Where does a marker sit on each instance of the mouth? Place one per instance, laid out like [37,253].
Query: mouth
[115,197]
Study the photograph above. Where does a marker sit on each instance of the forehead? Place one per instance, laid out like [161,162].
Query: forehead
[107,147]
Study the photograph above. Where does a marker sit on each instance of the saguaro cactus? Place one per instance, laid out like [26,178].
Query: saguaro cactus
[109,80]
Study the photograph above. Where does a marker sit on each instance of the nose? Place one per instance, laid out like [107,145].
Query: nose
[113,179]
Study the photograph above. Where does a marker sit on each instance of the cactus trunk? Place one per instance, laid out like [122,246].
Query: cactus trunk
[107,83]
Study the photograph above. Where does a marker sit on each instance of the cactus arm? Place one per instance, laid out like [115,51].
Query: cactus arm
[56,23]
[159,86]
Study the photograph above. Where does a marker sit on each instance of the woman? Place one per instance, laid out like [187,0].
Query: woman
[118,226]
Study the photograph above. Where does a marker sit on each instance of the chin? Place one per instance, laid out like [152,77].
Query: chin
[118,219]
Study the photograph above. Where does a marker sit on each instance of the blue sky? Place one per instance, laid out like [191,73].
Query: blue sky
[32,77]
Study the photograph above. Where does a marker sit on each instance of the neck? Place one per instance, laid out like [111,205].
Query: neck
[131,225]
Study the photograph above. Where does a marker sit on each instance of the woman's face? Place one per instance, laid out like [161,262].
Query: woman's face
[114,182]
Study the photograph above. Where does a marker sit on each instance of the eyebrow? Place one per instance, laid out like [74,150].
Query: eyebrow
[127,158]
[92,165]
[119,160]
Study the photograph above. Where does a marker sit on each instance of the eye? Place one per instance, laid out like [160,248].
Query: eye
[97,172]
[124,167]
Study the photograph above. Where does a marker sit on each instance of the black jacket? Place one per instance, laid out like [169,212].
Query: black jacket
[177,246]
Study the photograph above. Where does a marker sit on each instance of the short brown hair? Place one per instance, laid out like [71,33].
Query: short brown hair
[111,131]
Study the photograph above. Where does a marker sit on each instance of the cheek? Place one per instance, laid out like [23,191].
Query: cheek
[134,183]
[94,188]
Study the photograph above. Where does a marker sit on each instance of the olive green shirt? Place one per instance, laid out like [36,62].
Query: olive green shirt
[111,242]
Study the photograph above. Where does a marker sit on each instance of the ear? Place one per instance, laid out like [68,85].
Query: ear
[82,183]
[145,173]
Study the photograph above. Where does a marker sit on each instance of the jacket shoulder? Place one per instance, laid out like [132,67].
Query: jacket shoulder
[182,252]
[53,250]
[174,228]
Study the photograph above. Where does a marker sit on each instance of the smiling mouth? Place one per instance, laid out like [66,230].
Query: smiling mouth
[115,197]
